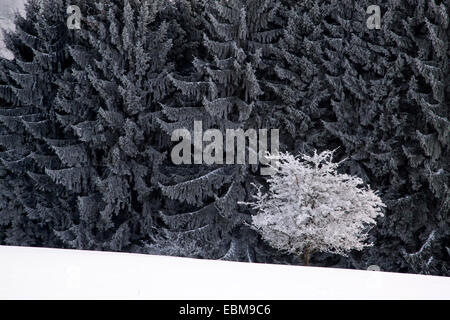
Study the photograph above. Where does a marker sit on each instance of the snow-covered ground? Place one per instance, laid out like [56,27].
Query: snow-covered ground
[36,273]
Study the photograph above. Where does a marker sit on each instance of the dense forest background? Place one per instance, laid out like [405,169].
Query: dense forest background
[7,12]
[86,117]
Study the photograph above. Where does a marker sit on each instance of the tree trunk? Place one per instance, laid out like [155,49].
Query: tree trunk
[306,256]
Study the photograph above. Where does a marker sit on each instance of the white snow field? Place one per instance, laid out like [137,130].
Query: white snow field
[36,273]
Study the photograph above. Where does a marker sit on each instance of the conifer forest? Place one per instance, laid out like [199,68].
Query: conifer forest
[90,99]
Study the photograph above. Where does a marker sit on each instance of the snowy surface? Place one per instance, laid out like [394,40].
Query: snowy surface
[35,273]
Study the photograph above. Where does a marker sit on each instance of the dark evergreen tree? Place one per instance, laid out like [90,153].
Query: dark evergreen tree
[301,86]
[38,46]
[111,101]
[422,209]
[229,89]
[391,116]
[16,227]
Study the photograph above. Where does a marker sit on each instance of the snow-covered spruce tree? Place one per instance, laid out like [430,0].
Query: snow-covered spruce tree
[392,118]
[16,227]
[228,89]
[310,207]
[304,94]
[111,101]
[358,68]
[427,151]
[354,60]
[38,44]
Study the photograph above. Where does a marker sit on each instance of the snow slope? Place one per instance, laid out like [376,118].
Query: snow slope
[36,273]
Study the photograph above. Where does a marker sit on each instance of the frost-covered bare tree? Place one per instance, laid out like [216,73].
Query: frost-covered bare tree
[310,207]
